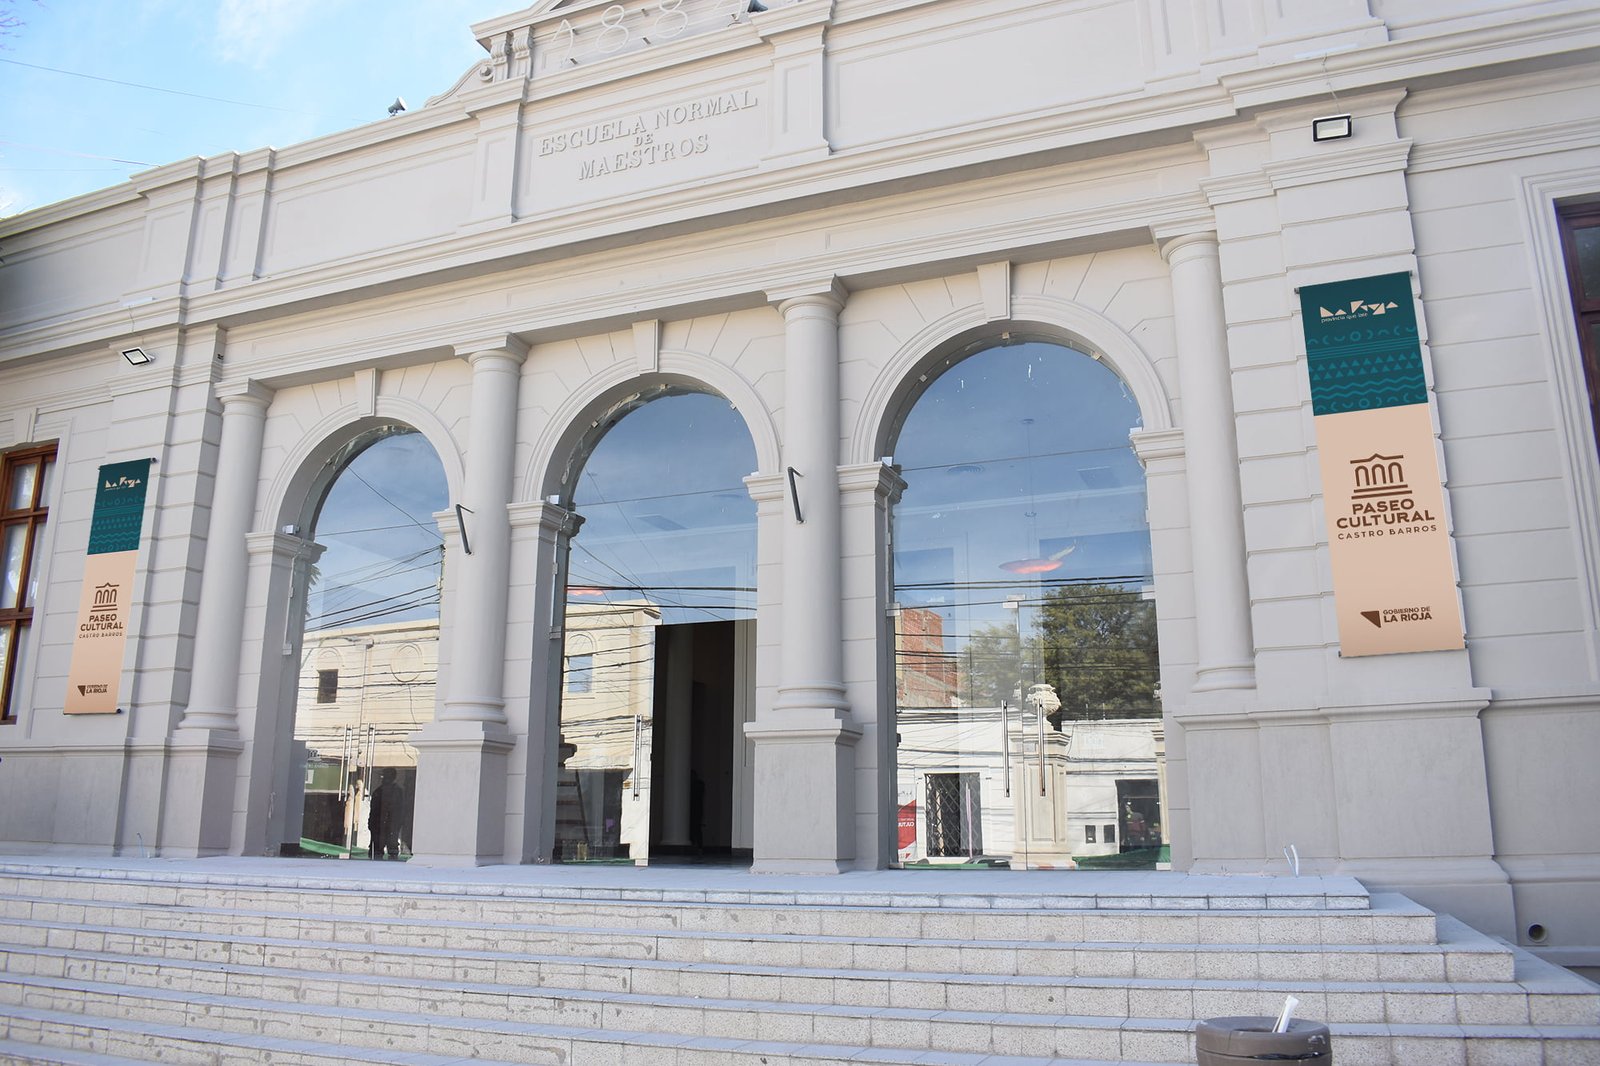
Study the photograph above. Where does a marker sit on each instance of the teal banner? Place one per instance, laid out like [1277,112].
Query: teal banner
[1361,344]
[119,507]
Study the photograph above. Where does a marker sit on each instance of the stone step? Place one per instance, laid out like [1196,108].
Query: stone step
[64,1039]
[340,977]
[389,1032]
[1400,922]
[427,919]
[1469,958]
[821,1035]
[209,964]
[461,946]
[158,880]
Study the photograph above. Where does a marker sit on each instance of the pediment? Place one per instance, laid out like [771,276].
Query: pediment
[554,36]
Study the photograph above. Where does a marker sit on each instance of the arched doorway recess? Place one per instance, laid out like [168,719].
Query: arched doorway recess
[1024,631]
[658,634]
[367,622]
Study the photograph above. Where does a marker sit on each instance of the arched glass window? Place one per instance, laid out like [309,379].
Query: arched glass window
[1026,668]
[660,615]
[370,649]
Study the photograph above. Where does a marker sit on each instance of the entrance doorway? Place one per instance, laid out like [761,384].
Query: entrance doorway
[658,673]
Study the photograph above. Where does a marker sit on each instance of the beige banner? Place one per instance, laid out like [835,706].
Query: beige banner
[1392,567]
[96,672]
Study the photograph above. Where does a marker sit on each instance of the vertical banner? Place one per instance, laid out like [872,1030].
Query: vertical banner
[1394,582]
[107,586]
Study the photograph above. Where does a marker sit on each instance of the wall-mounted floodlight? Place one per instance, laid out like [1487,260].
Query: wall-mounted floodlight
[1332,128]
[135,356]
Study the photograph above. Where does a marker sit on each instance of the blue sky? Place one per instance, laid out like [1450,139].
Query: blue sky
[258,73]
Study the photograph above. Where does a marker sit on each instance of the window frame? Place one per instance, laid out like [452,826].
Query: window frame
[33,518]
[328,686]
[1585,309]
[580,674]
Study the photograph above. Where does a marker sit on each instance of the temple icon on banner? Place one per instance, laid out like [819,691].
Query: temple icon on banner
[105,596]
[1379,475]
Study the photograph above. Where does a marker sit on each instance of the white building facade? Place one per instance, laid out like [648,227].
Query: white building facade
[816,213]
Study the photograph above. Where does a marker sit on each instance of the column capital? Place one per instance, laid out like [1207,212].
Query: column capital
[825,292]
[246,393]
[1180,243]
[799,15]
[881,479]
[764,488]
[283,546]
[546,516]
[1153,445]
[504,345]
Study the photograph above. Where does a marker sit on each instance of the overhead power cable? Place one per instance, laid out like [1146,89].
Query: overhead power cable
[155,89]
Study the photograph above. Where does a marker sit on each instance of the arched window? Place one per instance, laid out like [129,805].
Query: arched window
[369,651]
[660,613]
[1026,666]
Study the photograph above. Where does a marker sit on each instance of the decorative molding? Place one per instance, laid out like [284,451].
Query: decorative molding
[828,288]
[766,488]
[550,518]
[994,282]
[1505,144]
[1156,445]
[647,345]
[1400,706]
[559,429]
[1236,188]
[246,391]
[1539,194]
[1390,157]
[881,479]
[494,342]
[1085,329]
[366,390]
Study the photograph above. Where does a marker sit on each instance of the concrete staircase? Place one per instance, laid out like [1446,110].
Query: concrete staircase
[321,963]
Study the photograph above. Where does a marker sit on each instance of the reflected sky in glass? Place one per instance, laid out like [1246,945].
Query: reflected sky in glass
[384,550]
[667,517]
[1020,477]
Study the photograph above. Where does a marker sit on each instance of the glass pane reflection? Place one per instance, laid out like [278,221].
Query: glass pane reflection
[370,654]
[1026,661]
[660,576]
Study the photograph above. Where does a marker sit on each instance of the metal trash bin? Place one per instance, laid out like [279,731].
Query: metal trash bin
[1232,1041]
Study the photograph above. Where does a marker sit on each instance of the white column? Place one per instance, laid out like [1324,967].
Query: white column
[214,687]
[805,743]
[478,649]
[1225,647]
[811,672]
[463,761]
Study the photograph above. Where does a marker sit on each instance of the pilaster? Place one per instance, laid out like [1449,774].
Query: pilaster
[213,694]
[541,535]
[796,33]
[1226,650]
